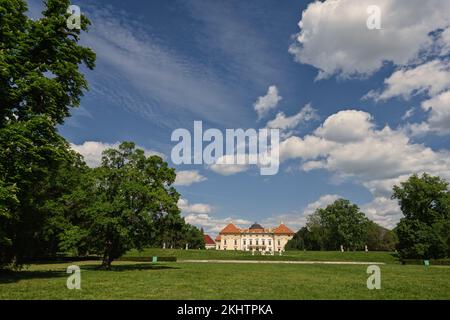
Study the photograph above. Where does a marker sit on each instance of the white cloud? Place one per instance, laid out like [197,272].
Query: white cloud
[346,126]
[154,73]
[307,113]
[213,225]
[226,165]
[196,208]
[322,202]
[92,151]
[385,211]
[376,158]
[335,39]
[430,78]
[444,42]
[408,114]
[297,219]
[439,113]
[188,177]
[265,103]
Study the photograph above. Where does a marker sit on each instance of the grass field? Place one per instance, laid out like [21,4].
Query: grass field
[386,257]
[179,280]
[226,281]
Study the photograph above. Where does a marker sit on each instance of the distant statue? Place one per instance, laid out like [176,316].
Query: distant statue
[164,245]
[365,248]
[187,246]
[342,248]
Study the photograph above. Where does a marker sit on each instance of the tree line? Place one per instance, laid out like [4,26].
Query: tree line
[50,200]
[422,233]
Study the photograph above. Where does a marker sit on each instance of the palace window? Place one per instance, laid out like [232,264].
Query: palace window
[245,242]
[235,242]
[251,242]
[279,242]
[256,241]
[225,242]
[263,242]
[270,243]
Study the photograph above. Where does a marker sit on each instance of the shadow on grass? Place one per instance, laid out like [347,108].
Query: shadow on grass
[129,267]
[8,276]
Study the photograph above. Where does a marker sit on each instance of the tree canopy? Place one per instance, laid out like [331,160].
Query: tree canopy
[424,231]
[40,61]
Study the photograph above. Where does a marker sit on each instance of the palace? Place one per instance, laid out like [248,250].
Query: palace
[255,238]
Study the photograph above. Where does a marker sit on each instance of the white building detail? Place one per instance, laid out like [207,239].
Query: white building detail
[255,238]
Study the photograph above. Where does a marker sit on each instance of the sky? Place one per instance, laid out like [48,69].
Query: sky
[359,109]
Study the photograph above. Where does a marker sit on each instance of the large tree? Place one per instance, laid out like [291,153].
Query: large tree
[116,205]
[37,168]
[39,62]
[424,231]
[39,82]
[340,223]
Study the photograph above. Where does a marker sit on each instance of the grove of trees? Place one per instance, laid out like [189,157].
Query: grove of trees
[341,224]
[50,201]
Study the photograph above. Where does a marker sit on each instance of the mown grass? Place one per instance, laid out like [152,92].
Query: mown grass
[130,280]
[386,257]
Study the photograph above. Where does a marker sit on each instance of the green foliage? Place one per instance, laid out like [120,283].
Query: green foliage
[37,168]
[116,204]
[424,232]
[379,238]
[39,62]
[340,223]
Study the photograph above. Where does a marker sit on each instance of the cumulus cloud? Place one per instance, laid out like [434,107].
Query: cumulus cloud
[334,37]
[346,126]
[286,124]
[196,208]
[265,103]
[297,219]
[188,177]
[385,211]
[322,202]
[376,158]
[430,78]
[200,215]
[92,151]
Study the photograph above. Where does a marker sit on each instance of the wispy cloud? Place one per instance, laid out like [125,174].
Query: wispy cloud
[165,85]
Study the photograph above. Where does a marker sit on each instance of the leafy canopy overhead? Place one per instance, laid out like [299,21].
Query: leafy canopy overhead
[39,62]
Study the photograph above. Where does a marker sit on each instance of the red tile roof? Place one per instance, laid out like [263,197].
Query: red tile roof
[218,237]
[208,239]
[230,228]
[282,229]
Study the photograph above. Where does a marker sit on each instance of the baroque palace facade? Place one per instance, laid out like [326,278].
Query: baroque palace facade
[255,238]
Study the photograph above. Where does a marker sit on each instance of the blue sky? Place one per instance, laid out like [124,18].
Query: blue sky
[379,99]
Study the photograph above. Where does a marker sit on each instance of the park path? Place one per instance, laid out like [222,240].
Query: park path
[282,262]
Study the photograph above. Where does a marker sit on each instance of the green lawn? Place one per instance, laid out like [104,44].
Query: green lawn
[174,280]
[386,257]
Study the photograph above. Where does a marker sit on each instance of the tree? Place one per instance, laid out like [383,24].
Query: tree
[117,204]
[424,231]
[39,82]
[35,163]
[39,62]
[343,224]
[340,223]
[379,238]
